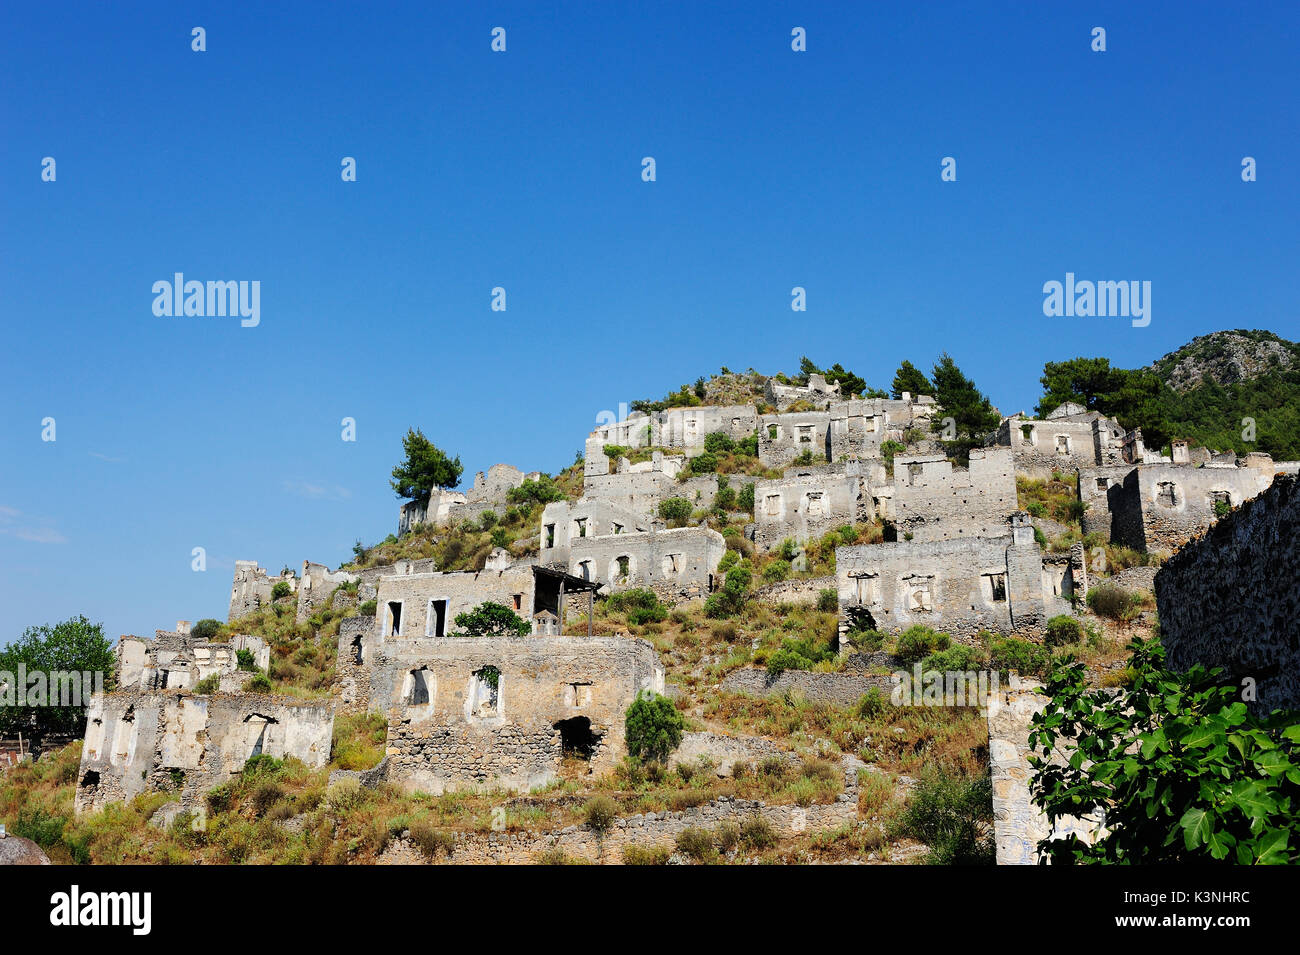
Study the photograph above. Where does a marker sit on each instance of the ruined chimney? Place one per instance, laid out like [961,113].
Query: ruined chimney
[183,627]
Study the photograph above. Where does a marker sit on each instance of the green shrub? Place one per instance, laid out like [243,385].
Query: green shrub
[872,704]
[748,446]
[540,491]
[729,559]
[798,654]
[777,570]
[757,833]
[733,595]
[918,642]
[281,590]
[1108,599]
[500,537]
[646,855]
[705,463]
[1186,773]
[696,843]
[600,813]
[208,685]
[828,600]
[640,605]
[206,630]
[491,619]
[676,510]
[719,442]
[745,499]
[1013,653]
[653,727]
[958,658]
[244,660]
[952,815]
[260,683]
[1063,630]
[867,641]
[368,608]
[431,840]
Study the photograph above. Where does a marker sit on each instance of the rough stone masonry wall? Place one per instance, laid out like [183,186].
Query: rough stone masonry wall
[1019,825]
[252,587]
[453,742]
[935,501]
[1231,599]
[804,590]
[784,437]
[462,591]
[841,689]
[644,830]
[804,508]
[1166,527]
[143,742]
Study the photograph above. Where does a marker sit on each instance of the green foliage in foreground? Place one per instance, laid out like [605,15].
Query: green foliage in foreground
[1184,772]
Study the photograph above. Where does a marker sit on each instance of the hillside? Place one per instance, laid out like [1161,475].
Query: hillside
[1226,358]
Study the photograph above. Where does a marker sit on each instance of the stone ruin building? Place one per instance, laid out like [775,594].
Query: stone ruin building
[175,660]
[467,712]
[489,492]
[253,586]
[959,586]
[141,740]
[153,733]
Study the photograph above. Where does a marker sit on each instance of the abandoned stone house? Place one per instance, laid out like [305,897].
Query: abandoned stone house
[175,660]
[252,587]
[1159,507]
[807,502]
[816,391]
[316,585]
[1071,437]
[997,583]
[489,712]
[414,605]
[141,741]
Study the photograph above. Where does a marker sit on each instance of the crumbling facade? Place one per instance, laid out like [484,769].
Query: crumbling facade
[1159,507]
[149,741]
[503,712]
[174,660]
[934,501]
[253,586]
[960,587]
[1071,437]
[1231,598]
[808,502]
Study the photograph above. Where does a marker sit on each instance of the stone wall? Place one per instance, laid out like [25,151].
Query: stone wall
[801,590]
[935,501]
[143,742]
[316,584]
[784,437]
[683,557]
[1230,599]
[427,603]
[806,506]
[841,689]
[645,830]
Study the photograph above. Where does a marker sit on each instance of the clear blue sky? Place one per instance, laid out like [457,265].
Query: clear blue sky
[522,170]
